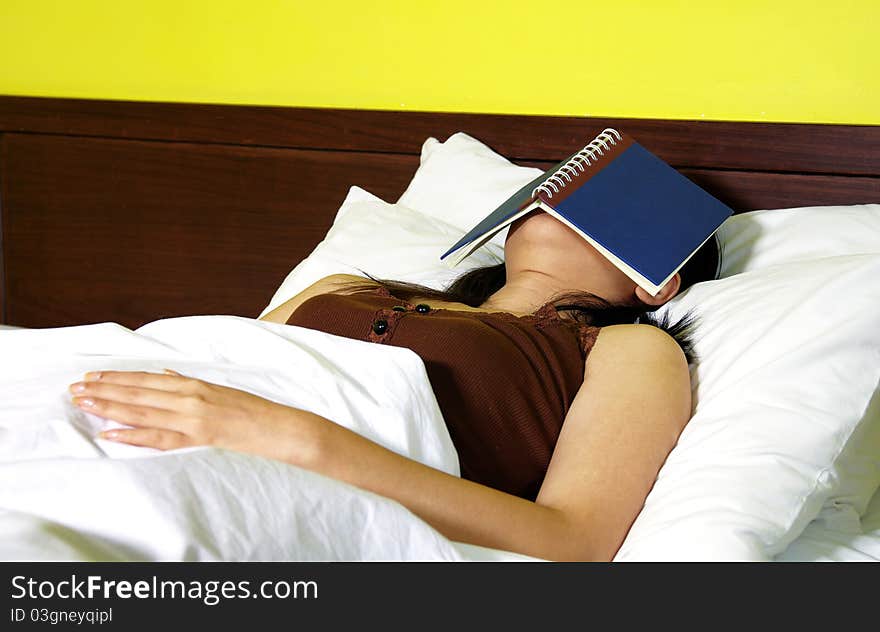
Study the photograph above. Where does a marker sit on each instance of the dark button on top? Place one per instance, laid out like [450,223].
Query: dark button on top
[421,308]
[379,326]
[399,308]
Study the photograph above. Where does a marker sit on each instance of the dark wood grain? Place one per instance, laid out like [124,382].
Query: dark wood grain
[132,231]
[789,147]
[749,191]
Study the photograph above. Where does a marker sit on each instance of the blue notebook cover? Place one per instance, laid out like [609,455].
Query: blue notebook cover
[628,203]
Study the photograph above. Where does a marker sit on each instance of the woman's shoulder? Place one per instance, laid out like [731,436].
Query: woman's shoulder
[631,360]
[646,343]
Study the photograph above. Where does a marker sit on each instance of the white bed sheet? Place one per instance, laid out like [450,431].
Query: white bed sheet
[839,535]
[67,496]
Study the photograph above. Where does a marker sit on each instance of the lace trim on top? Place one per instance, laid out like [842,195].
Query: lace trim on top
[545,316]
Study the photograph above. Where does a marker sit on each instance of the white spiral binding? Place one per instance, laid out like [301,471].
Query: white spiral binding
[578,163]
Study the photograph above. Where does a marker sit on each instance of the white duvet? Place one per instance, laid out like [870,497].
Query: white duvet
[65,495]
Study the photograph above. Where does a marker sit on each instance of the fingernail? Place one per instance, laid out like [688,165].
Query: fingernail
[85,402]
[92,376]
[109,434]
[77,387]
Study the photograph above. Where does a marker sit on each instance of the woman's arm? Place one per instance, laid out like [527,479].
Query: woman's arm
[623,422]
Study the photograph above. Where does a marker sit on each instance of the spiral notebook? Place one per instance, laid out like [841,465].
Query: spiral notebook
[639,212]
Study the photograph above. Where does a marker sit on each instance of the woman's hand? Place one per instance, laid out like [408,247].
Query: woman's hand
[170,411]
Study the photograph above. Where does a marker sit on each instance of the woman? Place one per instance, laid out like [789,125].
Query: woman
[562,418]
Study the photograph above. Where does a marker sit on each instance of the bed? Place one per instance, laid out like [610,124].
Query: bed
[143,235]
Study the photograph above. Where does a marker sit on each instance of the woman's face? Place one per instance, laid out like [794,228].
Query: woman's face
[540,242]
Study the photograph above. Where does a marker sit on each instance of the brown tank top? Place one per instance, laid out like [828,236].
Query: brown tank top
[504,383]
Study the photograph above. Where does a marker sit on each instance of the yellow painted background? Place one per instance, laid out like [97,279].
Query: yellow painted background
[758,61]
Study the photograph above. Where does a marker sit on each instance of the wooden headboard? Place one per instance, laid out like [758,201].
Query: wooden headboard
[133,211]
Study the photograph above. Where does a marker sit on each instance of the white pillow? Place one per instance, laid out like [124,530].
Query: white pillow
[759,239]
[790,354]
[462,181]
[385,240]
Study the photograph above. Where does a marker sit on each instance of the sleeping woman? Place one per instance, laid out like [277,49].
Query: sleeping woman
[563,396]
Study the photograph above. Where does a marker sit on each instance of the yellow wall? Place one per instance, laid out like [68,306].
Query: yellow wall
[801,60]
